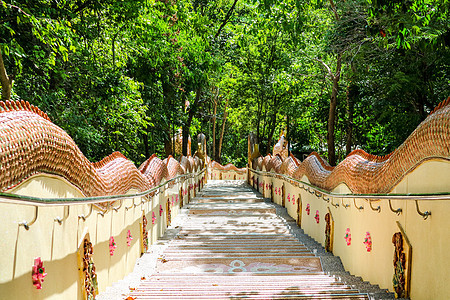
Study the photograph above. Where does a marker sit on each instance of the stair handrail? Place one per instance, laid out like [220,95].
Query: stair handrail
[37,201]
[395,196]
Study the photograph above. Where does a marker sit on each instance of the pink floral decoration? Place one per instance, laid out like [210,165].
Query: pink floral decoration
[308,209]
[176,198]
[172,200]
[38,273]
[129,238]
[368,242]
[348,237]
[160,210]
[153,217]
[289,197]
[112,246]
[293,199]
[317,216]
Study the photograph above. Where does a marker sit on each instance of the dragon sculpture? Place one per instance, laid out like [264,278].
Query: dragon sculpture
[365,173]
[31,144]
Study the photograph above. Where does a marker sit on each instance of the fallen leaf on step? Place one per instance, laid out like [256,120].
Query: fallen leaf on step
[142,278]
[132,289]
[215,284]
[129,298]
[164,260]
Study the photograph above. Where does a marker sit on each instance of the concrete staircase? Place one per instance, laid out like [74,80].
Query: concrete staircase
[232,245]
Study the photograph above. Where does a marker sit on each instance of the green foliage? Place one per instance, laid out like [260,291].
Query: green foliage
[124,75]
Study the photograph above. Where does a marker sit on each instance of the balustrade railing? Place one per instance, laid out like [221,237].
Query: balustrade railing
[106,233]
[367,228]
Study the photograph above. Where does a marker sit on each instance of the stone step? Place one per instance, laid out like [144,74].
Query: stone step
[219,256]
[237,241]
[224,212]
[248,218]
[227,247]
[233,246]
[219,234]
[233,250]
[243,295]
[258,277]
[238,264]
[226,200]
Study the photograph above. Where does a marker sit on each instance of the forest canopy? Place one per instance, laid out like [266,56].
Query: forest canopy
[331,75]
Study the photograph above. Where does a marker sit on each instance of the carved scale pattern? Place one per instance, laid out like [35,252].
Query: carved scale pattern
[365,173]
[228,167]
[31,144]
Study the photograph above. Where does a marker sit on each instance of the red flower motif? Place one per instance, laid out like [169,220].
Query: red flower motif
[129,238]
[317,216]
[38,273]
[153,217]
[308,209]
[112,246]
[368,242]
[160,210]
[348,237]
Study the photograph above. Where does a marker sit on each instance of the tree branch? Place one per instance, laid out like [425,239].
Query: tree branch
[16,7]
[5,80]
[333,8]
[330,73]
[227,17]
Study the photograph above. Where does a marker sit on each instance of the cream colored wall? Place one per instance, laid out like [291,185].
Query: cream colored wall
[46,186]
[430,238]
[277,183]
[432,176]
[57,245]
[227,175]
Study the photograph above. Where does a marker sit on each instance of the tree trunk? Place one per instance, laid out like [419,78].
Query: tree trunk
[191,112]
[168,146]
[272,124]
[333,101]
[331,124]
[145,142]
[185,138]
[350,96]
[332,114]
[258,119]
[5,80]
[288,136]
[271,132]
[214,130]
[223,131]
